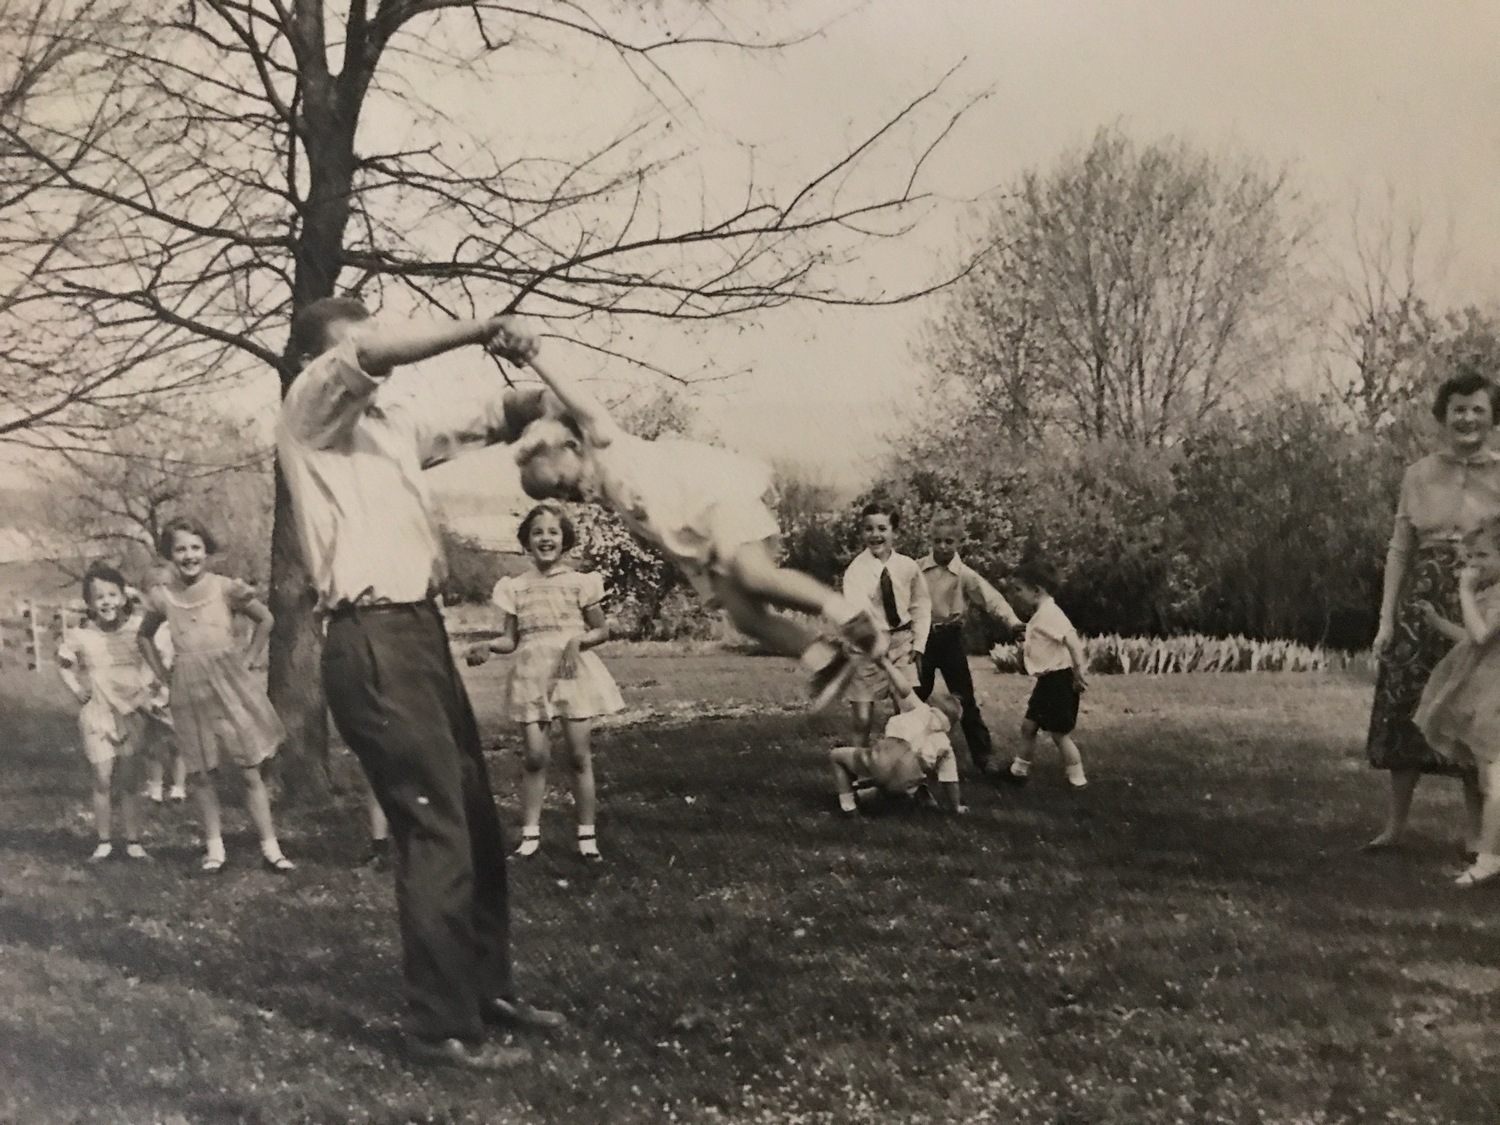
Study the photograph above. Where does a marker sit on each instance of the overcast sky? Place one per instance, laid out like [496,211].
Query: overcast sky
[1362,99]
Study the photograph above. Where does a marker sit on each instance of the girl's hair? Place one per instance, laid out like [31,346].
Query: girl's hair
[310,323]
[1038,574]
[882,508]
[1468,378]
[102,572]
[190,525]
[542,436]
[547,508]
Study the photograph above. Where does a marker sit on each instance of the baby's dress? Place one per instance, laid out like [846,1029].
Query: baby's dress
[216,701]
[1459,714]
[548,609]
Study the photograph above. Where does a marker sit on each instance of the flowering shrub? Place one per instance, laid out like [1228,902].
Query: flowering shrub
[1159,655]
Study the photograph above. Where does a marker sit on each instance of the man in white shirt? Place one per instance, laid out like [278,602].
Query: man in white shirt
[891,585]
[352,457]
[954,587]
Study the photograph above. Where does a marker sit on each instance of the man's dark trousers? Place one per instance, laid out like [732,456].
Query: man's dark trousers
[400,704]
[945,653]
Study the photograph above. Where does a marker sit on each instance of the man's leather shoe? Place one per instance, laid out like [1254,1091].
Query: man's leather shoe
[514,1013]
[455,1052]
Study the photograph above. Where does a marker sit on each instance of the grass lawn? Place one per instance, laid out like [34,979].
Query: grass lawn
[1193,939]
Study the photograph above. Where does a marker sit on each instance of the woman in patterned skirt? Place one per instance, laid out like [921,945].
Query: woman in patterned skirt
[1443,496]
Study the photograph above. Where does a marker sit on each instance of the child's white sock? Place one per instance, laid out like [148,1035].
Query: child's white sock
[1076,776]
[847,802]
[1020,767]
[531,840]
[588,843]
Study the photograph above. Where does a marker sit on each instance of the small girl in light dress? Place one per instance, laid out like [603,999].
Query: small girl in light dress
[105,671]
[553,616]
[216,704]
[1459,714]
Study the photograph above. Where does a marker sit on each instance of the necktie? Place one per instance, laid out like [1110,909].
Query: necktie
[888,598]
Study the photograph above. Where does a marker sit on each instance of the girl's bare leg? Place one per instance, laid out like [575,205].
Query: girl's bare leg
[534,784]
[1398,808]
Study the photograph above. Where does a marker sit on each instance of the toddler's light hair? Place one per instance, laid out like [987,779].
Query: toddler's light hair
[948,703]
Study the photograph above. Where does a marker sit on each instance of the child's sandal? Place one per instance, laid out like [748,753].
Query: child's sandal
[278,864]
[133,850]
[588,845]
[531,840]
[213,861]
[102,852]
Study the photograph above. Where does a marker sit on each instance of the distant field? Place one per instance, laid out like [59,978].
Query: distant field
[1194,939]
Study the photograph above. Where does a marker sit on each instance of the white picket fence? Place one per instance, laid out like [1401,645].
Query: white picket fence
[31,634]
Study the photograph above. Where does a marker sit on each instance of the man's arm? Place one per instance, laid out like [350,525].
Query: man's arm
[334,389]
[383,348]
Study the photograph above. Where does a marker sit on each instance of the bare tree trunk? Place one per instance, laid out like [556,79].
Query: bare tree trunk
[296,678]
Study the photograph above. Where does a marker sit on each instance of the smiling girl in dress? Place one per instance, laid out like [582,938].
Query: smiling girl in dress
[553,616]
[216,704]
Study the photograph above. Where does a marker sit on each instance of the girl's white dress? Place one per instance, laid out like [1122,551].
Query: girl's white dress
[1459,714]
[120,683]
[548,609]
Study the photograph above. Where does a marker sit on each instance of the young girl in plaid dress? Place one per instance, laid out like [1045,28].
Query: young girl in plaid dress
[553,616]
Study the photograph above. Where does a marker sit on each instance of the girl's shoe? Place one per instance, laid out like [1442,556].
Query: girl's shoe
[153,791]
[103,851]
[133,850]
[531,840]
[179,793]
[277,864]
[213,860]
[588,845]
[1077,779]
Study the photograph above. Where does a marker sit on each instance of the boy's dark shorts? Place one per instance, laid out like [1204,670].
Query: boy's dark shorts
[1053,706]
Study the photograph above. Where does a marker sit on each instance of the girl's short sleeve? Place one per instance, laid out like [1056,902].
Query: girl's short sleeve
[239,594]
[503,596]
[590,589]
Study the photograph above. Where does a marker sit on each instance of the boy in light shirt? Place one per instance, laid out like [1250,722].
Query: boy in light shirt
[1054,654]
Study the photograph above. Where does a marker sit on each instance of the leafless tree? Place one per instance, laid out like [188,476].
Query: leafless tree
[1126,293]
[236,159]
[1381,326]
[111,498]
